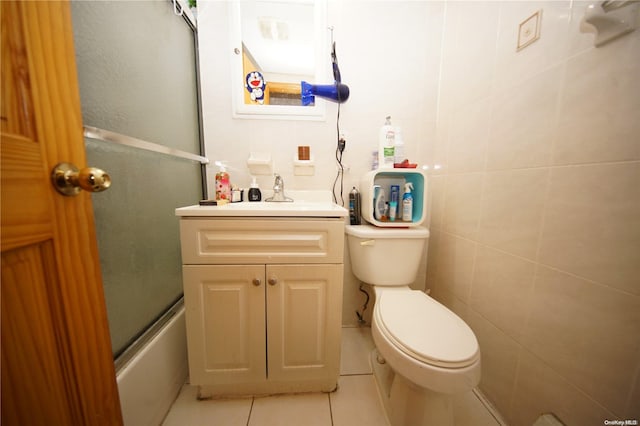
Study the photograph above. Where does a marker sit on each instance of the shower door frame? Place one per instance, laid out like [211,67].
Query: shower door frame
[113,137]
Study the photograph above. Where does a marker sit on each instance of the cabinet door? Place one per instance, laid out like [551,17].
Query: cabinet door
[225,313]
[304,312]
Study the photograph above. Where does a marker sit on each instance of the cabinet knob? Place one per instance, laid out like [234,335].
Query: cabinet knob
[257,282]
[273,281]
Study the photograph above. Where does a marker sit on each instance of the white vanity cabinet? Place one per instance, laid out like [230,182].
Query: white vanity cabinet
[263,300]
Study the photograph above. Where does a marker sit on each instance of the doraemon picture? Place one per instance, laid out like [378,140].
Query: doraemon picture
[255,84]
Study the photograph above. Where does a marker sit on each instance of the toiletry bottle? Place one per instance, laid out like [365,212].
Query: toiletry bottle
[354,207]
[407,203]
[254,191]
[386,141]
[398,151]
[393,202]
[236,194]
[374,160]
[378,203]
[223,185]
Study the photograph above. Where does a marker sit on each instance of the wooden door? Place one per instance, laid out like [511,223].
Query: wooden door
[57,366]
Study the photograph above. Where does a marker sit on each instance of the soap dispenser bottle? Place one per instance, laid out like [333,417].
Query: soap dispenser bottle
[254,191]
[223,185]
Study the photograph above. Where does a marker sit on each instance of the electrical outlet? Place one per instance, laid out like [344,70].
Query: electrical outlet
[529,30]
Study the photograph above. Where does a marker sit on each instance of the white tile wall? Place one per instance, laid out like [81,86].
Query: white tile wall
[592,223]
[511,211]
[523,122]
[501,290]
[588,132]
[535,214]
[462,206]
[576,324]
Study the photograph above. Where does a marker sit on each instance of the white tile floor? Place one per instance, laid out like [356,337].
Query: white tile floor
[355,403]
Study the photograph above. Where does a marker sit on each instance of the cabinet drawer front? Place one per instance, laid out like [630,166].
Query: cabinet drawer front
[237,241]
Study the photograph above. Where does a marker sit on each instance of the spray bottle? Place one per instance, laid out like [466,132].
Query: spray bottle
[407,203]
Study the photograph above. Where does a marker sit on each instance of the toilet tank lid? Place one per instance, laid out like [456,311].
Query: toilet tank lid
[370,231]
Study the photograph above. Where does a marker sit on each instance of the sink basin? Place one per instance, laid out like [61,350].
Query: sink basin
[305,204]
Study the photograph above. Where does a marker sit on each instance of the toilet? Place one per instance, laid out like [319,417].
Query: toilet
[425,354]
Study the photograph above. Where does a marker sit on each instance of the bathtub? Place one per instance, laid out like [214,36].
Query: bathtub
[154,370]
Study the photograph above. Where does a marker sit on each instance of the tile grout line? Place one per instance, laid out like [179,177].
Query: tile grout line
[355,374]
[253,399]
[330,409]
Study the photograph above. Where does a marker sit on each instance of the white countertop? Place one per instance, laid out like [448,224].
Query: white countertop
[305,204]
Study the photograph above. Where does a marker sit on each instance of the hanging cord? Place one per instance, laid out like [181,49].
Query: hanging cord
[175,8]
[341,141]
[360,315]
[339,150]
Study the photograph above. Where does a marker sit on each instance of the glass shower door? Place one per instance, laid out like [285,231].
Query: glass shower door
[137,71]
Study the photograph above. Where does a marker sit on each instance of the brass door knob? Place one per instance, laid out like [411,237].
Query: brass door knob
[69,180]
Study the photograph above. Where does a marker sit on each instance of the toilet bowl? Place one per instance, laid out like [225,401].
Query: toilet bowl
[426,353]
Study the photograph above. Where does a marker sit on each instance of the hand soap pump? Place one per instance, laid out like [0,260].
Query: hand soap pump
[254,191]
[407,203]
[223,185]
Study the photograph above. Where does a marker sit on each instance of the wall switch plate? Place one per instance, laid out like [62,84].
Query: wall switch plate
[529,30]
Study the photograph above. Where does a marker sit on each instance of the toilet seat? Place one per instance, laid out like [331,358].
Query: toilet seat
[425,330]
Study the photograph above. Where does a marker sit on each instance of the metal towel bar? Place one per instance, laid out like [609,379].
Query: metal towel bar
[109,136]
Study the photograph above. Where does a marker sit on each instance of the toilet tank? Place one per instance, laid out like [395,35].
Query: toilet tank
[386,256]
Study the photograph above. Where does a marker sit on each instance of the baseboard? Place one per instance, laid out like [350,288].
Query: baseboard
[489,406]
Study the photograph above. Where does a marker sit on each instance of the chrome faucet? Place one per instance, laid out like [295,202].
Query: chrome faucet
[278,190]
